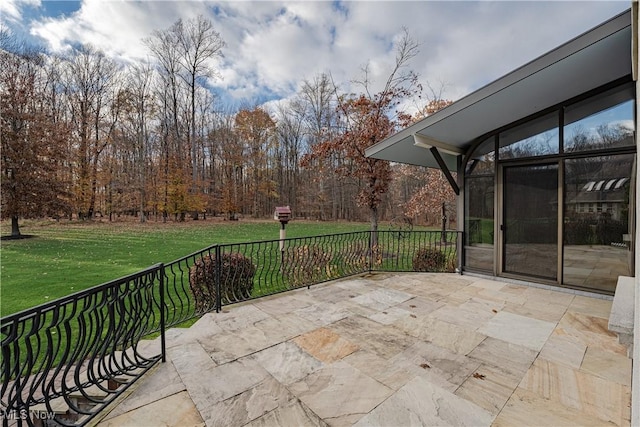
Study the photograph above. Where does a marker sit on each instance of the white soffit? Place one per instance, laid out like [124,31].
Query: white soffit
[595,58]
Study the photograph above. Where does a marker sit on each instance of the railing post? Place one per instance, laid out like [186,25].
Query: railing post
[370,250]
[163,320]
[459,249]
[218,262]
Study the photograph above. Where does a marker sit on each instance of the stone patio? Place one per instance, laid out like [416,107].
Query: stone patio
[392,349]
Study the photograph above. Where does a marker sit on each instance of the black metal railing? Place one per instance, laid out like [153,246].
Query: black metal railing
[70,357]
[73,356]
[225,274]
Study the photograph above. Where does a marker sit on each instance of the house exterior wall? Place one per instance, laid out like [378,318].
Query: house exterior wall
[635,381]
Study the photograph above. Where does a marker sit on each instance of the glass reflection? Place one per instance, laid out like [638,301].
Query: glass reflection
[602,122]
[538,137]
[479,202]
[596,224]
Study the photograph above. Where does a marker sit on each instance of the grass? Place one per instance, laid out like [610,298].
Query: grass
[67,257]
[484,231]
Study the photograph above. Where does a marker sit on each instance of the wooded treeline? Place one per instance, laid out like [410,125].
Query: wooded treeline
[85,136]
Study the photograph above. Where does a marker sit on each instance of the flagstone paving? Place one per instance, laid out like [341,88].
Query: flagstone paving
[392,349]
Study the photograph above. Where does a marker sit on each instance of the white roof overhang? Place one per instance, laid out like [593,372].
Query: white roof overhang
[593,59]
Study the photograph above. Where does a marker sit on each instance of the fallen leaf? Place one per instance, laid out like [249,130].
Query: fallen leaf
[384,312]
[478,376]
[412,306]
[413,315]
[494,310]
[424,366]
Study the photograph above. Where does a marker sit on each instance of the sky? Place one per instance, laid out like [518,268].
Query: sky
[272,47]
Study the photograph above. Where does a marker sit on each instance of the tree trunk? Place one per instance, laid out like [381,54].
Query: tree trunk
[110,202]
[374,230]
[15,227]
[94,188]
[374,218]
[143,216]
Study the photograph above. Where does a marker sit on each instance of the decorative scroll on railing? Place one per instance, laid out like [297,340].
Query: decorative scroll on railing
[64,361]
[69,358]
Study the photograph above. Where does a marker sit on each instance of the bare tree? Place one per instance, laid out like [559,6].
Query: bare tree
[290,133]
[164,47]
[198,44]
[137,106]
[90,85]
[317,97]
[185,52]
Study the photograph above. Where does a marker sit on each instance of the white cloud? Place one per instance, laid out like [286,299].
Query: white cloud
[12,13]
[273,46]
[12,9]
[117,28]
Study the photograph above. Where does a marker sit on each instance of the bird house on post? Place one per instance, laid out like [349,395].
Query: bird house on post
[282,214]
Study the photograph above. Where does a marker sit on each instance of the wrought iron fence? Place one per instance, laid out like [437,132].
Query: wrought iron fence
[225,274]
[73,356]
[70,357]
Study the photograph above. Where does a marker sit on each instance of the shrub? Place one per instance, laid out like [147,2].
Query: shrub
[357,256]
[578,232]
[304,265]
[609,231]
[236,280]
[594,231]
[429,259]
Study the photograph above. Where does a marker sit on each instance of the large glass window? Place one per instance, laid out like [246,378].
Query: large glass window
[596,220]
[604,121]
[566,218]
[538,137]
[479,202]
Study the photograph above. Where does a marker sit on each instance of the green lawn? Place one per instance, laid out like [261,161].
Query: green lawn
[67,257]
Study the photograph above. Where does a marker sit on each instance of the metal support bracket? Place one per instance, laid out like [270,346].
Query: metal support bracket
[445,170]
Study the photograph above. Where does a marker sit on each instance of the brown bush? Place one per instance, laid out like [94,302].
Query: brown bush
[236,280]
[430,260]
[304,265]
[358,255]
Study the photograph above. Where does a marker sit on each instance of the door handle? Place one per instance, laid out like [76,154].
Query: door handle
[503,227]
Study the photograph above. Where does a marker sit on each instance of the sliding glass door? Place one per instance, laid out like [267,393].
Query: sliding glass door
[530,220]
